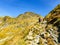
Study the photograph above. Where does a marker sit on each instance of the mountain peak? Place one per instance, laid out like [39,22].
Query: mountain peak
[28,13]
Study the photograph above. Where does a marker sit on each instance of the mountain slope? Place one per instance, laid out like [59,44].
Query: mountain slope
[54,18]
[31,29]
[14,30]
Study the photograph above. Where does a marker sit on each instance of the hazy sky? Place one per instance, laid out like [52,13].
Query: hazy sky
[16,7]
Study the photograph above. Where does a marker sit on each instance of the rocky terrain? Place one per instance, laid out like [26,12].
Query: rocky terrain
[31,29]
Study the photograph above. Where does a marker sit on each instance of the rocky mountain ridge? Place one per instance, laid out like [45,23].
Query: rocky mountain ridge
[31,29]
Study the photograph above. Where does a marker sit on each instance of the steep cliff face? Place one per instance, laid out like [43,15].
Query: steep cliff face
[54,18]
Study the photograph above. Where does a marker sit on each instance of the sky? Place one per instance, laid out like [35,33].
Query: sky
[15,7]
